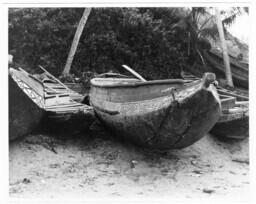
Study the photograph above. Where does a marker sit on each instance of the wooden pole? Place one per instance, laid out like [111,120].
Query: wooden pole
[75,42]
[224,48]
[134,73]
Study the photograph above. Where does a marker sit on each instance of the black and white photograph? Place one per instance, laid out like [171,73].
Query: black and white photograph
[129,102]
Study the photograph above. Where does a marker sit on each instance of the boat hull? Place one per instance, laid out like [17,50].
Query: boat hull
[232,125]
[173,120]
[235,129]
[68,122]
[24,114]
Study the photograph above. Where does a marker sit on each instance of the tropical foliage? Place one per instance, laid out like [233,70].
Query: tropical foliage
[156,42]
[142,38]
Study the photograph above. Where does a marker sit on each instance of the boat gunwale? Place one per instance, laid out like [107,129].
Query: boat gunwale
[229,117]
[13,72]
[138,83]
[152,100]
[237,64]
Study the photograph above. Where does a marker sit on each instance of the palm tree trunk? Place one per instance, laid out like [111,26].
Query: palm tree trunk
[224,48]
[76,39]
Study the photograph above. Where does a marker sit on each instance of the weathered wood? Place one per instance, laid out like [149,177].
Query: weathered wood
[57,86]
[73,105]
[227,102]
[134,73]
[25,113]
[153,117]
[230,93]
[233,122]
[224,48]
[54,78]
[76,39]
[30,104]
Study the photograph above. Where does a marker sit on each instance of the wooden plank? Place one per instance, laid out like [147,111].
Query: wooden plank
[65,106]
[49,74]
[70,109]
[23,76]
[221,91]
[222,96]
[50,88]
[54,85]
[228,103]
[65,109]
[242,103]
[55,100]
[61,95]
[73,103]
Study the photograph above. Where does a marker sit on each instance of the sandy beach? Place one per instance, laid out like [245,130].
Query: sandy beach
[96,165]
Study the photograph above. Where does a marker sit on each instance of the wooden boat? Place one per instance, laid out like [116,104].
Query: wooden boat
[239,70]
[54,86]
[56,108]
[26,103]
[67,117]
[233,122]
[161,114]
[65,112]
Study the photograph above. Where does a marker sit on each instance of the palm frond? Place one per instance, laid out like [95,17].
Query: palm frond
[229,20]
[211,32]
[231,15]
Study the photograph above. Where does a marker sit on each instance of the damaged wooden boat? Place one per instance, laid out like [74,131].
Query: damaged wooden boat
[60,112]
[160,114]
[64,115]
[233,122]
[239,70]
[52,84]
[26,103]
[65,110]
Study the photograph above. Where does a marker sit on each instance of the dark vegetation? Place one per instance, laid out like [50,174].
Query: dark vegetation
[142,38]
[156,42]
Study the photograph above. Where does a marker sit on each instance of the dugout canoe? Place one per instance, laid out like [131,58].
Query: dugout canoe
[160,114]
[233,122]
[26,103]
[240,71]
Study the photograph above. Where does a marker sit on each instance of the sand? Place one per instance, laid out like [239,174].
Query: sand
[97,166]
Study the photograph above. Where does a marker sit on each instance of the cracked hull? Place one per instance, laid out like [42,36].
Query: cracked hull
[173,120]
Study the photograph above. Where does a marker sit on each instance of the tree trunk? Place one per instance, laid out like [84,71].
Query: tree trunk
[76,39]
[224,48]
